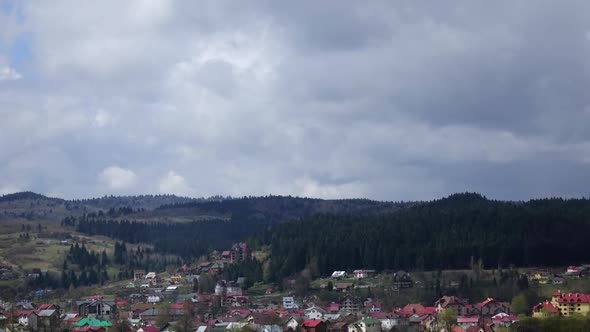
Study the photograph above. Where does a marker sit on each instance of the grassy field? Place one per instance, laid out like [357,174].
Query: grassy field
[44,250]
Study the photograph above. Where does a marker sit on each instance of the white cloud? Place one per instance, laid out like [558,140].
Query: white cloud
[9,74]
[103,119]
[117,178]
[308,187]
[173,183]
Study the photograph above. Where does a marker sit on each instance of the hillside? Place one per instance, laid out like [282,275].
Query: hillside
[276,209]
[193,229]
[450,233]
[29,206]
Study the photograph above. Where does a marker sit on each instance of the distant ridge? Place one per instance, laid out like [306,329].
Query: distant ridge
[25,195]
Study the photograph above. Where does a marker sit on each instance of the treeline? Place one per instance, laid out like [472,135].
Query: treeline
[575,323]
[83,267]
[217,222]
[279,209]
[251,270]
[188,240]
[445,234]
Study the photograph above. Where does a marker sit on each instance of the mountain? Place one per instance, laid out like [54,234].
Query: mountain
[450,233]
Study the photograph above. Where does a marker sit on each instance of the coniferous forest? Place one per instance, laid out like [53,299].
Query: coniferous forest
[449,233]
[446,234]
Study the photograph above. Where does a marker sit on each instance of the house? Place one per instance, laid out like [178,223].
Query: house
[234,291]
[389,320]
[338,327]
[491,307]
[333,308]
[44,320]
[89,329]
[314,313]
[148,329]
[93,323]
[176,278]
[312,325]
[402,279]
[23,317]
[269,328]
[153,299]
[349,304]
[98,308]
[220,288]
[367,324]
[372,306]
[558,280]
[414,308]
[138,275]
[149,316]
[572,271]
[344,286]
[504,320]
[361,274]
[452,302]
[289,303]
[468,321]
[545,309]
[422,322]
[291,324]
[338,274]
[571,303]
[226,255]
[216,268]
[239,252]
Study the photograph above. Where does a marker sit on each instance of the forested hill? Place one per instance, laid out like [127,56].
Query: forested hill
[36,207]
[170,208]
[193,229]
[447,233]
[31,206]
[277,209]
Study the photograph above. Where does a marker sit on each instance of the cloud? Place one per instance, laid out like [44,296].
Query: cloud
[117,178]
[388,100]
[103,118]
[9,74]
[173,183]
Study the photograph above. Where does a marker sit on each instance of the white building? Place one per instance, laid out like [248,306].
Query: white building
[153,299]
[289,303]
[314,313]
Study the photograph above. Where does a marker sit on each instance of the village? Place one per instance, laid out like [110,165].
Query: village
[194,298]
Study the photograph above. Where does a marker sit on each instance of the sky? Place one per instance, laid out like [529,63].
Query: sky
[388,100]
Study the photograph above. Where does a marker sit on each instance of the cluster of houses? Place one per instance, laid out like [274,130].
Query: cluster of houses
[218,261]
[142,313]
[354,315]
[564,304]
[545,277]
[578,270]
[87,316]
[401,279]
